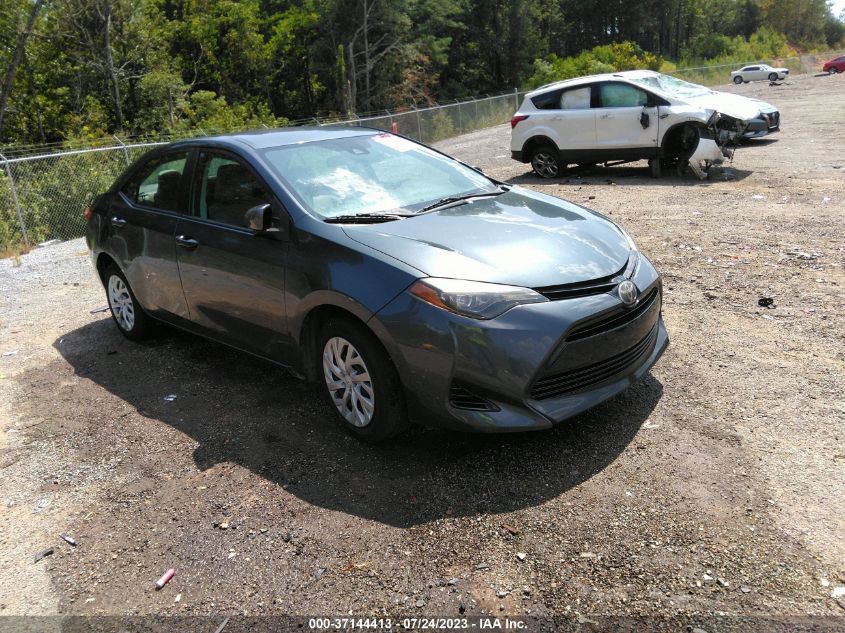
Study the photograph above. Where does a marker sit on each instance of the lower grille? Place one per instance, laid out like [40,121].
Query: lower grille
[590,375]
[461,397]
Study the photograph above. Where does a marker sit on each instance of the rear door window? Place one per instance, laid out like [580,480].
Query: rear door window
[228,189]
[576,98]
[158,183]
[619,95]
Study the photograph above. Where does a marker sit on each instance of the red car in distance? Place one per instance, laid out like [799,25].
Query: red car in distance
[835,65]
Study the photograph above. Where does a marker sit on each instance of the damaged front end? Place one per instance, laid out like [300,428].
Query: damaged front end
[716,142]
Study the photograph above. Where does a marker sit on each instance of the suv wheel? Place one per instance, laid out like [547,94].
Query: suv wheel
[545,160]
[129,317]
[737,80]
[360,381]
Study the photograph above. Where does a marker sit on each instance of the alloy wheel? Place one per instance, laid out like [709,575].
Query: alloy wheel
[121,303]
[348,381]
[545,164]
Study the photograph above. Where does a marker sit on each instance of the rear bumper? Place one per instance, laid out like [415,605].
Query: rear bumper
[527,365]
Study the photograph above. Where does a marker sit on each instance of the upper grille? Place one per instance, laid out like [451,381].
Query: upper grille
[461,397]
[594,374]
[615,319]
[581,288]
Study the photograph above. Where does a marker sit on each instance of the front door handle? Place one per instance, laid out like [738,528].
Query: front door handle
[604,116]
[118,222]
[187,243]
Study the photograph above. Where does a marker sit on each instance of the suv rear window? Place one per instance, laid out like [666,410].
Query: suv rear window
[547,100]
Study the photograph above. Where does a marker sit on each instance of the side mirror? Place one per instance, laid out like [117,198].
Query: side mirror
[478,169]
[259,217]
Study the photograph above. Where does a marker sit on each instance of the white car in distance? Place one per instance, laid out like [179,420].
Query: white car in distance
[633,115]
[758,72]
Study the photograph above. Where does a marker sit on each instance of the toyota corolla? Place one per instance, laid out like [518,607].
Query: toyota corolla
[411,286]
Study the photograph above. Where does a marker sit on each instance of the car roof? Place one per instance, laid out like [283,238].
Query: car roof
[263,139]
[624,74]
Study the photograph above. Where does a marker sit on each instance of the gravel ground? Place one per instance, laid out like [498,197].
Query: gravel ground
[716,486]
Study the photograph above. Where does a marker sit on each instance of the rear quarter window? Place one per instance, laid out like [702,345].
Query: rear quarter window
[157,183]
[547,100]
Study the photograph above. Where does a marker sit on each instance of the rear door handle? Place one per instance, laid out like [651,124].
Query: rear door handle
[187,243]
[604,116]
[118,222]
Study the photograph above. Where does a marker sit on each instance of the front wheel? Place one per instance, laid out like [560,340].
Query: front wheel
[546,162]
[129,317]
[360,381]
[656,167]
[833,70]
[773,76]
[737,80]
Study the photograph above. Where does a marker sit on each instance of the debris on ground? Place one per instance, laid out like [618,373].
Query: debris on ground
[170,397]
[12,353]
[510,528]
[766,302]
[104,308]
[521,555]
[165,578]
[482,567]
[69,540]
[42,504]
[44,554]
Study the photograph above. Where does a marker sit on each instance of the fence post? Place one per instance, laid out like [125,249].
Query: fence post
[515,99]
[125,151]
[475,101]
[419,125]
[460,119]
[15,199]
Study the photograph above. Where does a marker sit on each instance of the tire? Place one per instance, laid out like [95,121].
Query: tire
[656,167]
[737,80]
[833,70]
[128,315]
[773,76]
[371,409]
[545,161]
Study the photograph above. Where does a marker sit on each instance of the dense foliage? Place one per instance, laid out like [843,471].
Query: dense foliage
[87,68]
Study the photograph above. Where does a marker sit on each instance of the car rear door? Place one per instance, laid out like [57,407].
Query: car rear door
[626,117]
[141,223]
[234,277]
[564,115]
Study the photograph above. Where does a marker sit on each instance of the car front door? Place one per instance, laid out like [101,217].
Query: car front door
[234,277]
[142,220]
[626,117]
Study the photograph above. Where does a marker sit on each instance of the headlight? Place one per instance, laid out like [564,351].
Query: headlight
[473,298]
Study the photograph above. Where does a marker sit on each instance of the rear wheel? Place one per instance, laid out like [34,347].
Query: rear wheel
[129,317]
[360,381]
[773,76]
[545,161]
[737,80]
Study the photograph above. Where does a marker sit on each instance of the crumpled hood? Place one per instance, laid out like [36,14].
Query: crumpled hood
[733,105]
[520,238]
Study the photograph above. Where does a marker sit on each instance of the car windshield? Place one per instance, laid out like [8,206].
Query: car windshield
[371,174]
[672,86]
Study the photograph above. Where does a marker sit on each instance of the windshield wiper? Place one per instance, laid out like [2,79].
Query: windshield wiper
[365,218]
[451,199]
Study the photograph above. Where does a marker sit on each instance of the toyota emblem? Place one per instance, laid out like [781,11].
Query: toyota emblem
[628,292]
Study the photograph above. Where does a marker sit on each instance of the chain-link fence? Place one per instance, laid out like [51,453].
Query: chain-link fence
[43,193]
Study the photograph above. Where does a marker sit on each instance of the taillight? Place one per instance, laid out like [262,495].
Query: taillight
[88,213]
[517,118]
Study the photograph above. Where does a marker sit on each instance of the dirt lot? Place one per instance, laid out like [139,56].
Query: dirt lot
[715,486]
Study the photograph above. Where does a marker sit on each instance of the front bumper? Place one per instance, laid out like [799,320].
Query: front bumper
[532,367]
[766,123]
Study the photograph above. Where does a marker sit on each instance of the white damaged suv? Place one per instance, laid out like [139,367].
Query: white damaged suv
[634,115]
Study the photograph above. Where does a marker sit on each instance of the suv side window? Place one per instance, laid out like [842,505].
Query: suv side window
[228,189]
[619,95]
[576,98]
[157,183]
[547,100]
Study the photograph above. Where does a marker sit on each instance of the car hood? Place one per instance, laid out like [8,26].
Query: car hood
[733,105]
[521,238]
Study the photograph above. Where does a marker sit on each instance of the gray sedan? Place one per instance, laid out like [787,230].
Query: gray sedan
[412,287]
